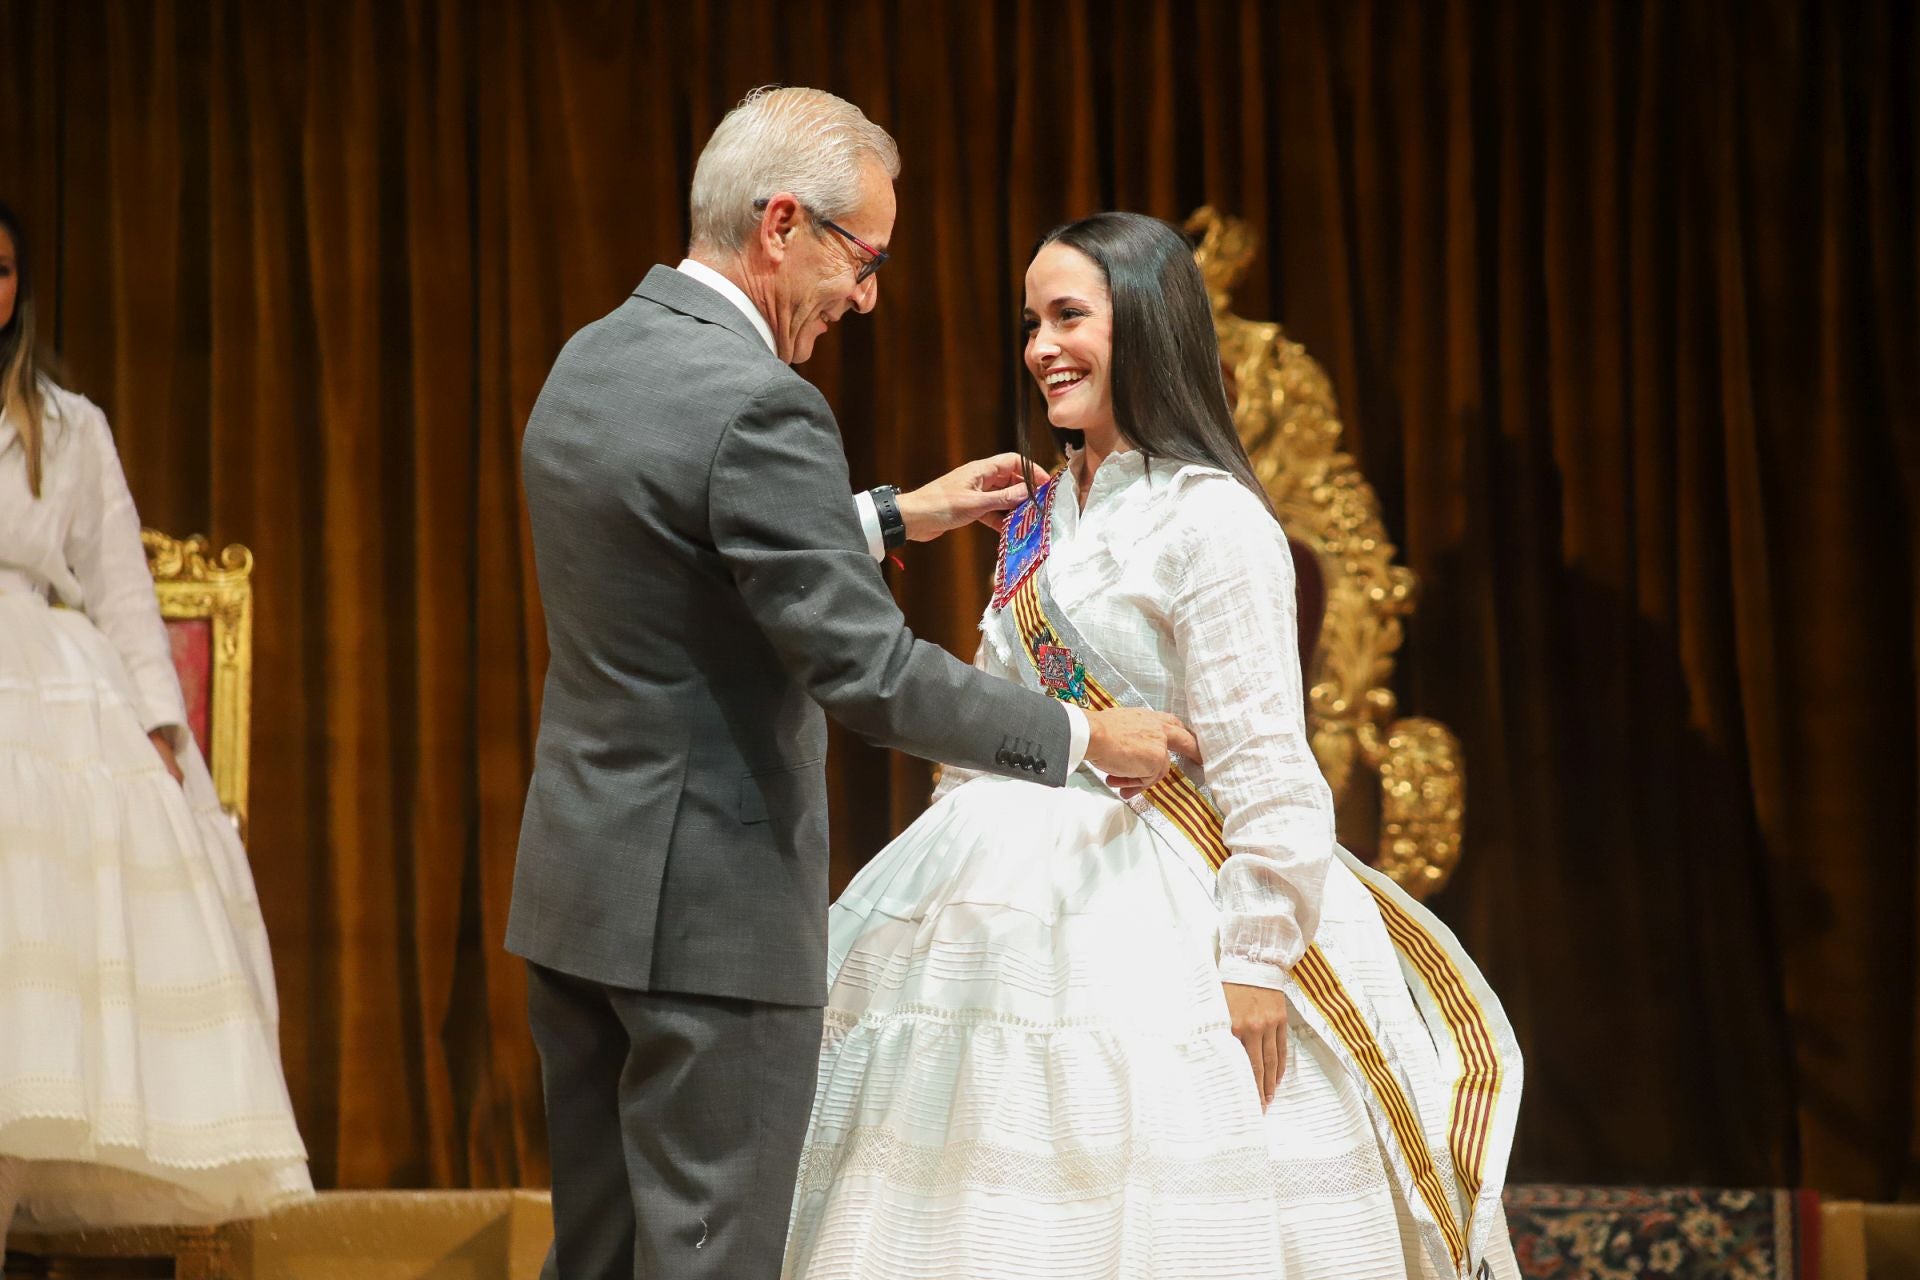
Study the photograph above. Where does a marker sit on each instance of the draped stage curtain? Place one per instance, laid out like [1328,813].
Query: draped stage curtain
[1622,302]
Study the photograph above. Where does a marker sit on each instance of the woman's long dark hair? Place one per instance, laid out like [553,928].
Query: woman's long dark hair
[1169,395]
[21,365]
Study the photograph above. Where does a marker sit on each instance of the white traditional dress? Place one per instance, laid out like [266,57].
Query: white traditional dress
[1027,1068]
[139,1048]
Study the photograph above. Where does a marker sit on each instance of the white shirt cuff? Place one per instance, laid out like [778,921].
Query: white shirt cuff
[870,524]
[1244,972]
[1078,731]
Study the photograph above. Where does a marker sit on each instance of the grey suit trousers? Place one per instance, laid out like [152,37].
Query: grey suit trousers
[675,1124]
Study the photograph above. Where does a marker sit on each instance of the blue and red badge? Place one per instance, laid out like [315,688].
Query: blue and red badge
[1024,543]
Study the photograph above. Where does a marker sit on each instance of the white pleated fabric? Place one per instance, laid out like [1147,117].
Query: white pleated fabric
[140,1068]
[1027,1068]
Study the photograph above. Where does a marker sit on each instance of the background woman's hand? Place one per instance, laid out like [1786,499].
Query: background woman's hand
[159,739]
[1260,1025]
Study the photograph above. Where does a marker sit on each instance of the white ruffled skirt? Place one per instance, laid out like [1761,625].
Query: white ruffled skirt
[139,1044]
[1027,1069]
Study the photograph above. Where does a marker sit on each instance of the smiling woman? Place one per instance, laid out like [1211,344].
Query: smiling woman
[1115,315]
[1070,1036]
[1069,326]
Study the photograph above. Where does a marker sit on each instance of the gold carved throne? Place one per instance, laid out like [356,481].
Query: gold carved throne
[1284,407]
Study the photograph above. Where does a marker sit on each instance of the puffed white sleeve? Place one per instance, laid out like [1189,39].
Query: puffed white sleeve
[103,549]
[1232,615]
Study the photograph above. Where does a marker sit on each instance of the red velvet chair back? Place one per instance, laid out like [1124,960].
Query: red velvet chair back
[192,642]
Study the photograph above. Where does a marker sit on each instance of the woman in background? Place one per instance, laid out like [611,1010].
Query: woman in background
[140,1076]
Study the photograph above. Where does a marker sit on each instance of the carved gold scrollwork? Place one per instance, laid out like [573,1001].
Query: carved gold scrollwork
[1288,418]
[192,584]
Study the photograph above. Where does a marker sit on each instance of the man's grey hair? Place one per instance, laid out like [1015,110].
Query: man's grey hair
[805,141]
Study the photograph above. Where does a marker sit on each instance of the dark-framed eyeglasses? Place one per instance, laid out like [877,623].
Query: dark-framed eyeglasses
[876,258]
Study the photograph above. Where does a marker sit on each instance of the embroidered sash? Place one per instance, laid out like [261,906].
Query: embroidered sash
[1452,1188]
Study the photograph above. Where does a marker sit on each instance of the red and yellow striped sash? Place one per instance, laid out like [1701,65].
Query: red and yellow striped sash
[1478,1088]
[1329,995]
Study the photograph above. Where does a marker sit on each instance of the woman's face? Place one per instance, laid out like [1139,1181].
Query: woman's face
[1069,324]
[9,278]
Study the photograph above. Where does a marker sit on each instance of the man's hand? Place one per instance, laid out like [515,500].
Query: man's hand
[159,739]
[1131,745]
[1260,1025]
[985,491]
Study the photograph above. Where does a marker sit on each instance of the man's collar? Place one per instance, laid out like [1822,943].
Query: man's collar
[678,291]
[732,293]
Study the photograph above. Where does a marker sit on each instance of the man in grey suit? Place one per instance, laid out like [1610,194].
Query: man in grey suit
[709,587]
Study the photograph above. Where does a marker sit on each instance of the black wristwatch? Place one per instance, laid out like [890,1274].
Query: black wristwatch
[886,505]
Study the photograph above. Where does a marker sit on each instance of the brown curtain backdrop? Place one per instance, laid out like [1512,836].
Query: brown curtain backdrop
[1623,302]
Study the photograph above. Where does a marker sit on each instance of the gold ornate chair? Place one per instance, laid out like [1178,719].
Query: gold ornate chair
[208,607]
[1285,410]
[207,604]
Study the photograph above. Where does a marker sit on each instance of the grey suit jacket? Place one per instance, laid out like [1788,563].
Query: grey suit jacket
[707,591]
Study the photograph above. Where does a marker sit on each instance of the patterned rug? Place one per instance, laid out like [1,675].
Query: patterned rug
[1559,1233]
[1689,1233]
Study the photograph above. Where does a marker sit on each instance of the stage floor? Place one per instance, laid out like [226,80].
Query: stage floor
[1566,1233]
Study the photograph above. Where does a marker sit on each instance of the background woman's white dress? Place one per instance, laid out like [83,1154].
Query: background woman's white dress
[139,1051]
[1027,1067]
